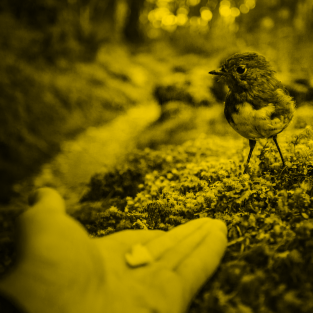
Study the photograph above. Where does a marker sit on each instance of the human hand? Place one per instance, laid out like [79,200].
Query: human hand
[61,269]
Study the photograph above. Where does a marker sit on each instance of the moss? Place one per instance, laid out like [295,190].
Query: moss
[269,215]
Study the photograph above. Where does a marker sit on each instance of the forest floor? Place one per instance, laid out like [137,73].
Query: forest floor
[150,76]
[147,146]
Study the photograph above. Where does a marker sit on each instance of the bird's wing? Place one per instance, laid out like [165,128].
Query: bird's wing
[245,121]
[266,126]
[284,104]
[270,120]
[254,124]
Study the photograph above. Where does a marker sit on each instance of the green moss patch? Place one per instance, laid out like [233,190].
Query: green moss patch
[268,265]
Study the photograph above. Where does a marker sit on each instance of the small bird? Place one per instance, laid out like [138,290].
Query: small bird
[257,104]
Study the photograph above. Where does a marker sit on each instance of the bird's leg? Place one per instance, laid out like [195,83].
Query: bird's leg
[252,145]
[276,143]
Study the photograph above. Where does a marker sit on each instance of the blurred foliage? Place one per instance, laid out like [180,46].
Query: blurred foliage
[76,29]
[65,64]
[53,30]
[269,215]
[7,239]
[43,105]
[74,96]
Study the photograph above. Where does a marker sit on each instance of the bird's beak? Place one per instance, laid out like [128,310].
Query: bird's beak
[217,73]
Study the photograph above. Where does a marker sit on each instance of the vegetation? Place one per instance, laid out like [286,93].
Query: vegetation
[268,212]
[69,67]
[62,63]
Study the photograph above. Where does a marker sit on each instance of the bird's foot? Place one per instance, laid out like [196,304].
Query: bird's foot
[247,169]
[284,169]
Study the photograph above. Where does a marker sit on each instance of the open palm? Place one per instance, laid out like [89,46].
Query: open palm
[61,269]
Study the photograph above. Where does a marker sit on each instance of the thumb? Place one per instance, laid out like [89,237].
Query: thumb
[45,228]
[41,221]
[46,199]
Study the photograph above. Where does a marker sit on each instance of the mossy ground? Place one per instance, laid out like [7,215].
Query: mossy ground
[188,164]
[269,214]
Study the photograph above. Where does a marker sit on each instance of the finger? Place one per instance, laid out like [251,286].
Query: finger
[43,216]
[203,261]
[183,238]
[122,243]
[128,238]
[156,241]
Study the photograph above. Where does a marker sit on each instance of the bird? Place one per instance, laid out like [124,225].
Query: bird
[257,105]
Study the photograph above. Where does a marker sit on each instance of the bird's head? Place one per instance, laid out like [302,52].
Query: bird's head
[243,71]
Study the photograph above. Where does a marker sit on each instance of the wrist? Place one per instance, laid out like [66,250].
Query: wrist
[9,305]
[26,292]
[40,290]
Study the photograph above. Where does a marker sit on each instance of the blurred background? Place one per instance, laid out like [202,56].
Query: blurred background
[84,82]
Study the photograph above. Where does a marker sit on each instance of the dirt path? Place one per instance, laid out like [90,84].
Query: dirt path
[95,150]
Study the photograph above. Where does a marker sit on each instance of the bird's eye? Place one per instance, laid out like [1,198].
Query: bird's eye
[241,69]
